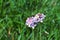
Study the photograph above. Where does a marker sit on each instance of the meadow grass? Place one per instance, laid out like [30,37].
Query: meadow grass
[13,15]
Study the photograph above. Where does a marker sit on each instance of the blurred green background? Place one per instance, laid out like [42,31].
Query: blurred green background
[13,14]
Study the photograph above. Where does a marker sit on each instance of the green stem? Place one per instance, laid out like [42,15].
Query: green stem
[32,35]
[40,33]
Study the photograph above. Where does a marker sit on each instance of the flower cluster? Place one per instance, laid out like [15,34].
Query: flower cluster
[32,21]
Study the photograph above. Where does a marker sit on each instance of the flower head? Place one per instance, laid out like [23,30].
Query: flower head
[40,17]
[32,21]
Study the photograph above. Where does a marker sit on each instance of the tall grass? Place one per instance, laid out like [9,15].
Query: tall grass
[13,14]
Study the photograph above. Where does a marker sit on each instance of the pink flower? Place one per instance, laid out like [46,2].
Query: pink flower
[32,21]
[40,17]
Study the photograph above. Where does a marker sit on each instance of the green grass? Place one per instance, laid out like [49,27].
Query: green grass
[13,14]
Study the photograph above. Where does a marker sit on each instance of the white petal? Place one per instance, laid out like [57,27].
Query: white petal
[41,21]
[33,27]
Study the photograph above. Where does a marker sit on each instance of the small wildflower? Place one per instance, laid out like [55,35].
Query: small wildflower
[32,21]
[40,17]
